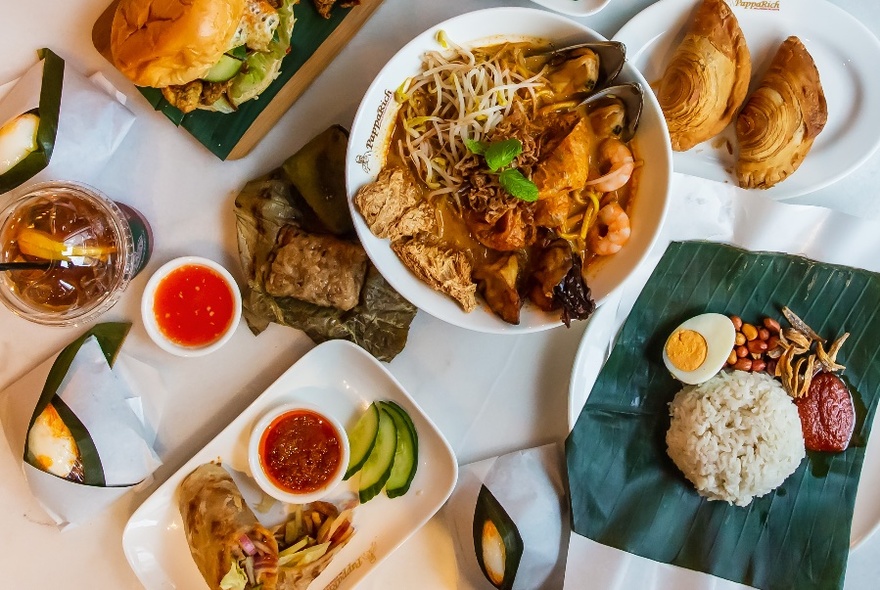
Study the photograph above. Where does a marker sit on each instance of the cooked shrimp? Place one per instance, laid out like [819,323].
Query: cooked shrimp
[611,230]
[617,164]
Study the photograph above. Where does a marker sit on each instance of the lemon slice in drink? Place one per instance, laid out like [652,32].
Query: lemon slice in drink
[33,242]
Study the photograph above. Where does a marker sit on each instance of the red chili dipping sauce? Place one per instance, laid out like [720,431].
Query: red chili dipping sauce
[194,305]
[300,451]
[827,414]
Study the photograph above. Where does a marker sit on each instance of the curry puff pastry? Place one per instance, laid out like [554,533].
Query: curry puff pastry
[776,127]
[707,78]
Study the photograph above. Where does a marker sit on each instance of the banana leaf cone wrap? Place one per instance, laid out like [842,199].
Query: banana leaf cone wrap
[48,111]
[215,517]
[627,493]
[88,468]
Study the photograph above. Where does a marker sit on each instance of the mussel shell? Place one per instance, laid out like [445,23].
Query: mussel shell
[612,56]
[632,97]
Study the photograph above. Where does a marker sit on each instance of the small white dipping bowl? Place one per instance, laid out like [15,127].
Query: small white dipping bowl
[258,470]
[149,315]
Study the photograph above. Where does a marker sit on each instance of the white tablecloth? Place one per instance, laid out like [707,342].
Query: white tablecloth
[488,394]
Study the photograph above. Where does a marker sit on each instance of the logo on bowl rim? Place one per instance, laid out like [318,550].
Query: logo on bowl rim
[364,159]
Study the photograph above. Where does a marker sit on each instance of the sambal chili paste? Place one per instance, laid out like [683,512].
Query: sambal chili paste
[827,414]
[300,451]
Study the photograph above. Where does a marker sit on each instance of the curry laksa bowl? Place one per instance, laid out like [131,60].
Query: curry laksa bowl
[374,146]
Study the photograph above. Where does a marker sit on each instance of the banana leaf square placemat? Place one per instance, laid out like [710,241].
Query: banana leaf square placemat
[627,493]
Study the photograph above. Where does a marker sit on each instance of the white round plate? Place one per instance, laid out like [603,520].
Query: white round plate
[846,55]
[574,7]
[372,127]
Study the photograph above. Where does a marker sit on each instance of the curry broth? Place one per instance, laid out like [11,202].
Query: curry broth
[453,232]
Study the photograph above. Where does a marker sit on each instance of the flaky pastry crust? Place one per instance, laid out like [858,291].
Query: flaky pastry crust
[707,78]
[776,127]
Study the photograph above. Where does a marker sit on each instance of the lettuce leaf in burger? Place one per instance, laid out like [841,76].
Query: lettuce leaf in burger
[202,54]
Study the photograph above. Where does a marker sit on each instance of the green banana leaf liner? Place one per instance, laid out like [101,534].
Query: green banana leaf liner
[626,492]
[49,111]
[221,132]
[110,337]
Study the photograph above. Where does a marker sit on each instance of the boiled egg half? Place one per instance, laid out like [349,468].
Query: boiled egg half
[53,446]
[18,138]
[698,348]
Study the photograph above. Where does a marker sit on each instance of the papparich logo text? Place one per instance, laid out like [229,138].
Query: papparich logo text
[758,5]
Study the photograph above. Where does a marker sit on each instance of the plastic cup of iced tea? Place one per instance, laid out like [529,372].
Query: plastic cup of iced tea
[82,249]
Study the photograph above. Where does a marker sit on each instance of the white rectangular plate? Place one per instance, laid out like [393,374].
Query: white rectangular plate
[342,379]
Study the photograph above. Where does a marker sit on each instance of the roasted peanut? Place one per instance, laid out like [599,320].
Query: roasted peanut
[756,346]
[732,358]
[758,365]
[749,331]
[737,322]
[740,339]
[771,325]
[743,365]
[771,367]
[772,342]
[742,351]
[763,334]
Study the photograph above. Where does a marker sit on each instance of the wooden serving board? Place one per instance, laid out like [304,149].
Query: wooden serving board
[314,44]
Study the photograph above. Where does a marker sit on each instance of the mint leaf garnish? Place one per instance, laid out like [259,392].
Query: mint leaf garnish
[476,147]
[513,181]
[502,153]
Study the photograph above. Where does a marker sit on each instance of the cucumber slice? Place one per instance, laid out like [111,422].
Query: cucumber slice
[362,438]
[406,455]
[377,469]
[223,70]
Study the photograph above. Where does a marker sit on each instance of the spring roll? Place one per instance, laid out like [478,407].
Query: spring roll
[230,547]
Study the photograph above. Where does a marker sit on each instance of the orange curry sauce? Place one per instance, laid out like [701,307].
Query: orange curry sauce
[193,305]
[300,451]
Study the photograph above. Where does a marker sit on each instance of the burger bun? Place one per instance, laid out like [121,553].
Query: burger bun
[162,43]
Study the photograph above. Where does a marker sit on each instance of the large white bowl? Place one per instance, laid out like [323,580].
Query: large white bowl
[370,136]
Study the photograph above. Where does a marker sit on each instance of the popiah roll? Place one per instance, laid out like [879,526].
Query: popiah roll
[229,546]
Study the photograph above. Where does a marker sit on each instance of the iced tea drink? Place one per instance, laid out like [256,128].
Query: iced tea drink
[92,247]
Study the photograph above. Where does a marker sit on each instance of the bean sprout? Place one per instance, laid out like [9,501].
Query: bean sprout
[460,94]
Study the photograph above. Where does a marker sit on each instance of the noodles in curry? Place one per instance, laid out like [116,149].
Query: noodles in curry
[499,181]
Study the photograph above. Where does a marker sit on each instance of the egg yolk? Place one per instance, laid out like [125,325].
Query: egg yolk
[686,350]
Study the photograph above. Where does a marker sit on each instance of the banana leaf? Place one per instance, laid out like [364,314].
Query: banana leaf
[221,132]
[627,493]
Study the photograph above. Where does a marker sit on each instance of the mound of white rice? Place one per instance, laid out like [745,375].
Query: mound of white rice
[736,436]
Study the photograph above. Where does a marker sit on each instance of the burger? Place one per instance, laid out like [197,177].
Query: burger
[202,54]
